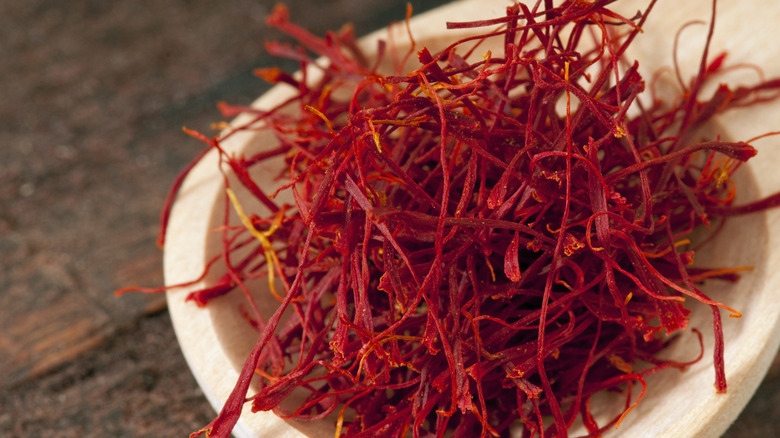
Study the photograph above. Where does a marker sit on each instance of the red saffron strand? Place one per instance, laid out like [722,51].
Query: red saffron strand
[464,257]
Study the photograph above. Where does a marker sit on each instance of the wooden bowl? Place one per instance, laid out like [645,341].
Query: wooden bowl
[215,341]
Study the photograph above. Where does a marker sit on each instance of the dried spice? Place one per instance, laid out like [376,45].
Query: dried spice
[484,242]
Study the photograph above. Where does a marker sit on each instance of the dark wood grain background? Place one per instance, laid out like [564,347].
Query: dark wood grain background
[93,95]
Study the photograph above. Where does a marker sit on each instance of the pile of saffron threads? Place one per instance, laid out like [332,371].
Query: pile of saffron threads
[481,243]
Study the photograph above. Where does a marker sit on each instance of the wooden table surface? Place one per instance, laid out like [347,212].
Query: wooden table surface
[92,100]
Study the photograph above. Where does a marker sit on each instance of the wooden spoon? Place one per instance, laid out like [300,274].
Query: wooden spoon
[215,341]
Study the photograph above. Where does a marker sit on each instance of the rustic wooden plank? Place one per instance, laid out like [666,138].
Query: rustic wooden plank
[134,384]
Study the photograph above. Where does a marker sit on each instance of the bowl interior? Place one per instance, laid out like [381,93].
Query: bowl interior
[677,404]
